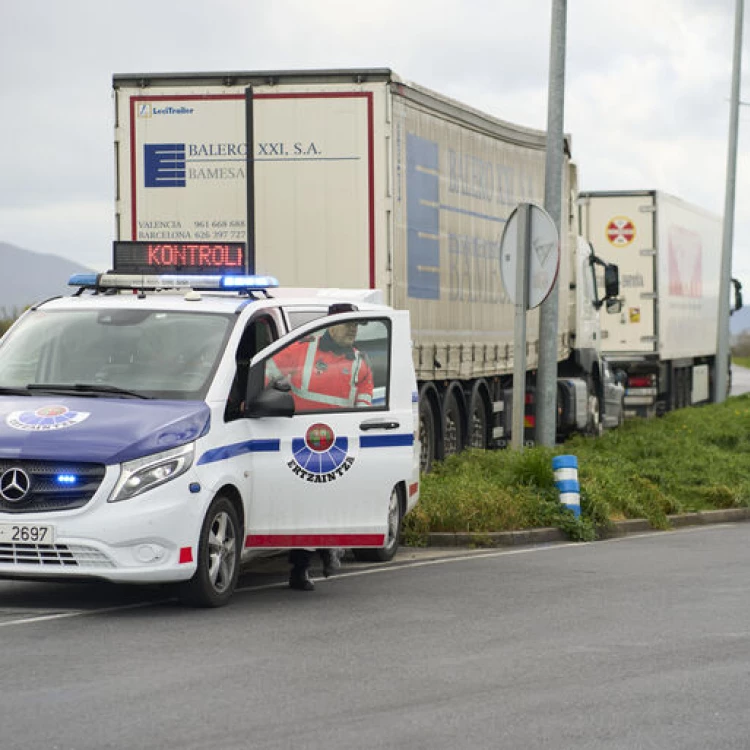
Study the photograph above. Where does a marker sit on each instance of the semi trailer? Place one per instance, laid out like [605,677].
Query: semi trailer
[361,179]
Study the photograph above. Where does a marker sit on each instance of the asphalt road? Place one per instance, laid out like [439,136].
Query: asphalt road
[641,642]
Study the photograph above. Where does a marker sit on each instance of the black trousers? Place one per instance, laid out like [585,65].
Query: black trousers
[301,559]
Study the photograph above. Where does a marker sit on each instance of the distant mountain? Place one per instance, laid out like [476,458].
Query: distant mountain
[27,277]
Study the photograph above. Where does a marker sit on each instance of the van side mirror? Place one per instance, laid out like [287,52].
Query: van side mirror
[267,399]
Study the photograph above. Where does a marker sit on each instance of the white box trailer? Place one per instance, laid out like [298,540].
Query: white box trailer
[669,255]
[359,179]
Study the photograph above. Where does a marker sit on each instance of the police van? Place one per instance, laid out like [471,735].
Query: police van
[144,437]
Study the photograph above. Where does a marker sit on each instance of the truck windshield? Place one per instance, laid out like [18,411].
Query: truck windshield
[148,353]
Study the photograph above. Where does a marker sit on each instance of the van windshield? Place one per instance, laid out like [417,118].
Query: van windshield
[147,353]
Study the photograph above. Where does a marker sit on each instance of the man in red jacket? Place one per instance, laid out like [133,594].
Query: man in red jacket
[325,372]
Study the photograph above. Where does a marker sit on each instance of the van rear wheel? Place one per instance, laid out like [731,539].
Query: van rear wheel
[392,535]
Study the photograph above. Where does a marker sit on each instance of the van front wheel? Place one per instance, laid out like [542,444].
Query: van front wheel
[219,548]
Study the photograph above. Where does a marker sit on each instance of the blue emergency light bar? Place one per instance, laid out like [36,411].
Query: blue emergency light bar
[197,282]
[248,282]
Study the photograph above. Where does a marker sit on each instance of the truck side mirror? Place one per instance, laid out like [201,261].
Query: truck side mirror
[737,295]
[611,281]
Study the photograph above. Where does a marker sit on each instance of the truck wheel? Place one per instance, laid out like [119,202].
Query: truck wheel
[594,427]
[426,435]
[219,548]
[393,534]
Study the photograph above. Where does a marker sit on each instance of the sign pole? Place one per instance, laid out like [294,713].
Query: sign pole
[529,259]
[546,397]
[722,347]
[523,250]
[250,180]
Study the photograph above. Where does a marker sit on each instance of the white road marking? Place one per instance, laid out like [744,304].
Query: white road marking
[441,558]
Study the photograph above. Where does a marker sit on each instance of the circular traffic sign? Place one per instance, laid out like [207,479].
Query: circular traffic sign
[543,258]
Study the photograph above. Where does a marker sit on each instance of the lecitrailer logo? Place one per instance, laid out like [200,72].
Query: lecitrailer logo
[147,109]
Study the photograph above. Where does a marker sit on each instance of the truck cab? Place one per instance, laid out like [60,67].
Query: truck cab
[142,439]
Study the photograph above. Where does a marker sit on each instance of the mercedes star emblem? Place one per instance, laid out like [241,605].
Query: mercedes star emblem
[14,485]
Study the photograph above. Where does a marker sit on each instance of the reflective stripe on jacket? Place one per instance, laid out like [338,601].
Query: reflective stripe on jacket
[324,379]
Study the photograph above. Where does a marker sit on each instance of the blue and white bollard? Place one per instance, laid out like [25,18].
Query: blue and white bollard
[566,481]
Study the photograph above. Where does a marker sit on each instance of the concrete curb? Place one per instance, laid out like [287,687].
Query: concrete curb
[616,529]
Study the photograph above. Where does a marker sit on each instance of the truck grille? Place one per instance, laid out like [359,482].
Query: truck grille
[50,485]
[54,555]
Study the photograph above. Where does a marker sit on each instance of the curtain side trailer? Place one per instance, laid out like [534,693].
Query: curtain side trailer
[360,179]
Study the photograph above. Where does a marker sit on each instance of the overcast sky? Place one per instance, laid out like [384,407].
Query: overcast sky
[647,88]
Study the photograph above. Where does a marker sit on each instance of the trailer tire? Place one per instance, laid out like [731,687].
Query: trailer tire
[392,537]
[428,451]
[219,548]
[479,420]
[453,423]
[687,387]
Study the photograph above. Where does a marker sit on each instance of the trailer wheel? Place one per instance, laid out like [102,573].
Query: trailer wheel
[392,537]
[478,420]
[454,426]
[219,547]
[687,387]
[427,436]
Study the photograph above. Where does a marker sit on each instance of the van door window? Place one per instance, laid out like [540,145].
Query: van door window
[336,368]
[258,334]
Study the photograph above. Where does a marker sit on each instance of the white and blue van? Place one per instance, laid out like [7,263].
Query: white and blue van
[140,441]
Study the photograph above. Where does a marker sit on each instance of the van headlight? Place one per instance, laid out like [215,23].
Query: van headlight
[145,473]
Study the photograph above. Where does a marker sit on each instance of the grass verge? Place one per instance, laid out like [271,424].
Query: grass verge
[690,460]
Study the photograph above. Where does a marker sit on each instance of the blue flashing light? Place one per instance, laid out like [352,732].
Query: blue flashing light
[83,279]
[67,479]
[248,282]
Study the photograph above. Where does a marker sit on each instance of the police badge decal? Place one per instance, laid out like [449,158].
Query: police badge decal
[320,456]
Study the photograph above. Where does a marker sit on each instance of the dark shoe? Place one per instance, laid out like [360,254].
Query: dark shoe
[330,561]
[300,581]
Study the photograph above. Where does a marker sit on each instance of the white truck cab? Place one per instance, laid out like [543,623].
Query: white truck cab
[143,440]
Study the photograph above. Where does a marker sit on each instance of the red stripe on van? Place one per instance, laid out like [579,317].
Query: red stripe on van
[285,541]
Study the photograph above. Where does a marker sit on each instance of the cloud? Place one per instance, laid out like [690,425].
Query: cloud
[647,87]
